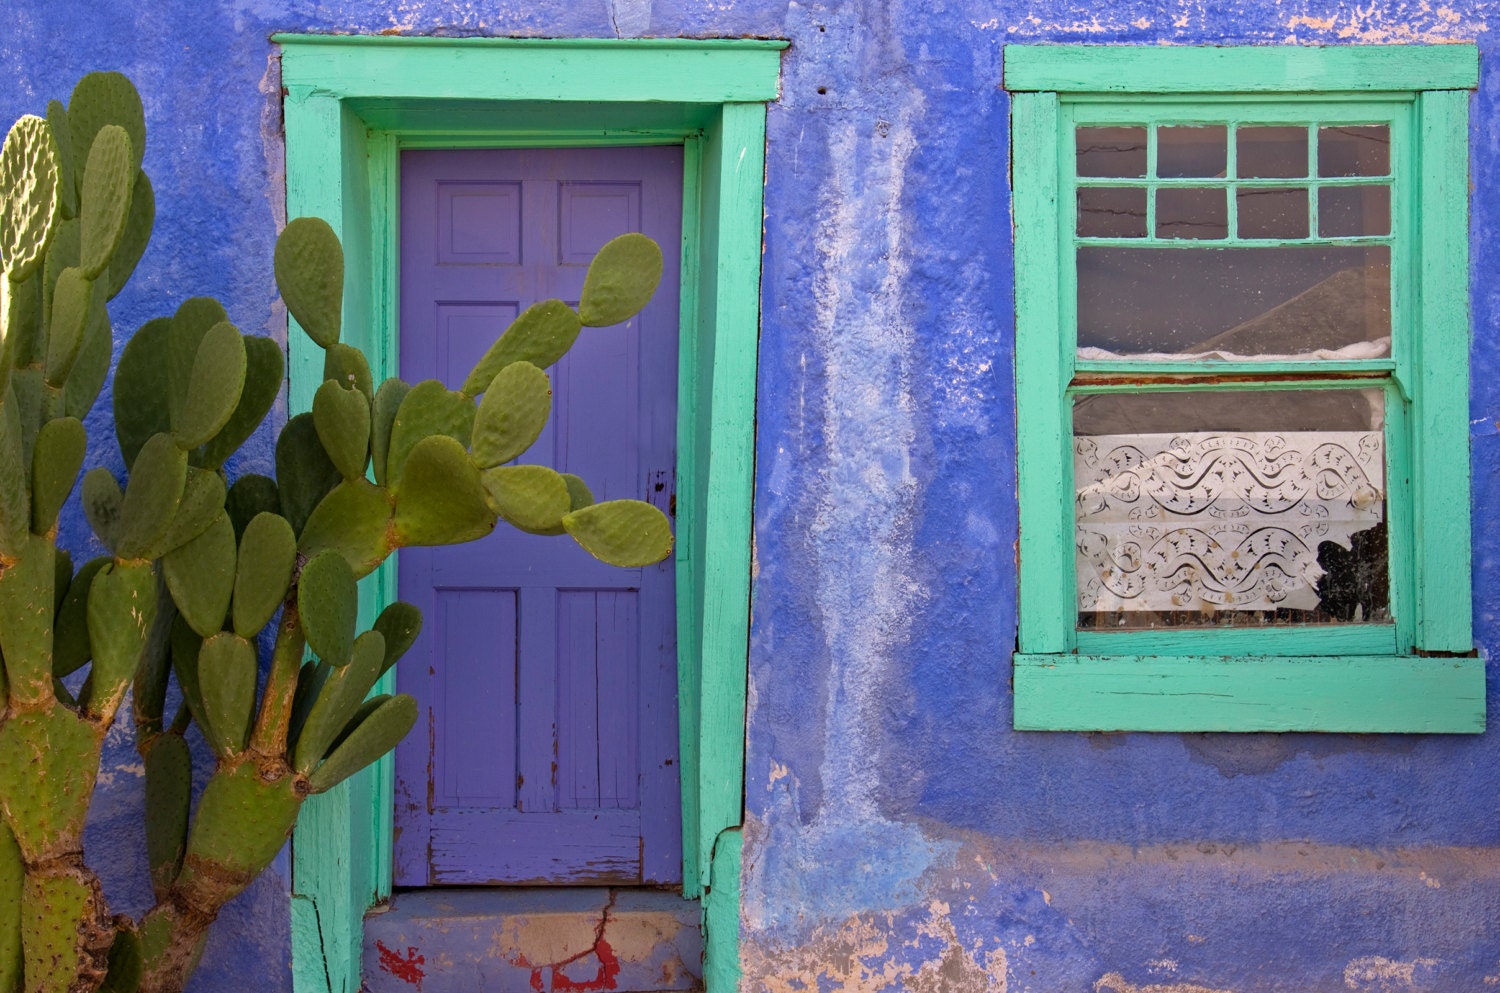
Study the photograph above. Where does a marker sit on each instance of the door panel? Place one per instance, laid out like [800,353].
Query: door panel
[547,752]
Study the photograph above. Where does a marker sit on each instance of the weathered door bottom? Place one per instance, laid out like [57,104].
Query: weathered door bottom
[525,940]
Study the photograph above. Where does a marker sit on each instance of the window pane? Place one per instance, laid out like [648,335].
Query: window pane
[1272,213]
[1354,210]
[1271,152]
[1191,151]
[1192,212]
[1354,151]
[1302,301]
[1111,152]
[1211,509]
[1112,212]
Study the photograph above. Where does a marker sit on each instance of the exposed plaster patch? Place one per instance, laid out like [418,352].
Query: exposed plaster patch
[1405,23]
[1113,982]
[1378,974]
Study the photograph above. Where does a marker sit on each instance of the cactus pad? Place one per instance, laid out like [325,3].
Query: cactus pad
[347,366]
[383,410]
[103,502]
[55,462]
[241,824]
[137,233]
[91,368]
[71,299]
[169,791]
[620,280]
[310,276]
[141,388]
[226,678]
[49,760]
[268,553]
[342,417]
[304,472]
[251,494]
[202,501]
[26,603]
[12,878]
[442,498]
[326,605]
[626,533]
[190,324]
[428,409]
[15,498]
[338,701]
[353,520]
[70,629]
[372,736]
[102,98]
[155,489]
[28,185]
[264,370]
[533,498]
[200,575]
[67,178]
[399,624]
[104,201]
[121,608]
[541,335]
[213,390]
[512,414]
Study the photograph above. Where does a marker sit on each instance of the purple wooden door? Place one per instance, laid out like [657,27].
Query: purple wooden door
[547,752]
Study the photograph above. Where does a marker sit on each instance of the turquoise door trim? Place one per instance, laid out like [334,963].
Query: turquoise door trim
[351,104]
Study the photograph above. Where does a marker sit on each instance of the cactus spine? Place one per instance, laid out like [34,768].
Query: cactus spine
[197,568]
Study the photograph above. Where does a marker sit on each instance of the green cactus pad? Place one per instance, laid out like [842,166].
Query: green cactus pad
[355,521]
[67,177]
[579,494]
[132,246]
[382,417]
[541,335]
[55,462]
[226,678]
[50,936]
[125,964]
[121,609]
[626,533]
[70,629]
[512,414]
[103,502]
[200,575]
[62,575]
[347,366]
[268,553]
[342,417]
[367,708]
[141,388]
[428,409]
[15,496]
[102,98]
[340,698]
[91,368]
[442,498]
[26,600]
[310,276]
[214,388]
[241,824]
[28,204]
[33,402]
[169,793]
[375,734]
[264,372]
[64,252]
[202,501]
[70,314]
[25,334]
[49,760]
[155,489]
[190,324]
[104,200]
[304,472]
[327,604]
[148,692]
[620,280]
[530,497]
[310,681]
[12,877]
[185,646]
[251,494]
[399,624]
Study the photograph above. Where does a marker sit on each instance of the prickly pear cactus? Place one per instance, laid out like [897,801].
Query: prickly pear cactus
[198,566]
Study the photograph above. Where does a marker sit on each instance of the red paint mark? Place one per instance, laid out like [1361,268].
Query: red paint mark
[407,969]
[604,979]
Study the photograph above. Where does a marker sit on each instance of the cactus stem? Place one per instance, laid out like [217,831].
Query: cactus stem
[268,741]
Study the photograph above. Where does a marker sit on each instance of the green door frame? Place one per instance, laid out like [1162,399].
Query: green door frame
[352,103]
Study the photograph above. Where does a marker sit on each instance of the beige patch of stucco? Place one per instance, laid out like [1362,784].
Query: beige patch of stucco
[1113,982]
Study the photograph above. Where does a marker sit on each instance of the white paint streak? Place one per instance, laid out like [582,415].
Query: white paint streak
[1113,982]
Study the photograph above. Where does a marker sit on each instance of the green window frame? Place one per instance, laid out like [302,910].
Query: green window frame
[1416,674]
[351,104]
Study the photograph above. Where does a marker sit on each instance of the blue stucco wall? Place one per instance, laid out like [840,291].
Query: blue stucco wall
[898,835]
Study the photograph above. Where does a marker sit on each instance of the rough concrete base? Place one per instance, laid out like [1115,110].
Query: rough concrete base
[533,941]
